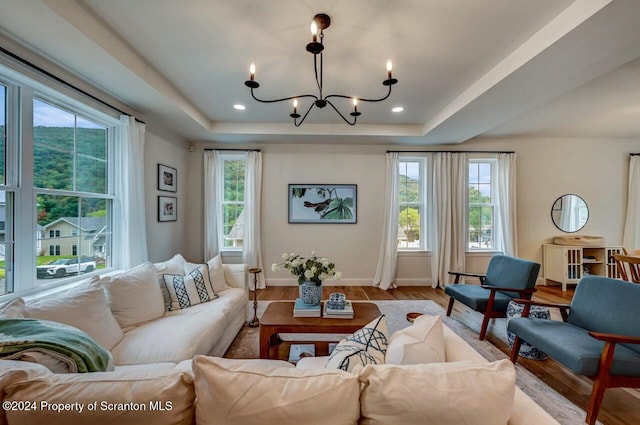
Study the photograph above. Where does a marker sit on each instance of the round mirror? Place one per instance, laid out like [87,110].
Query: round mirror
[569,213]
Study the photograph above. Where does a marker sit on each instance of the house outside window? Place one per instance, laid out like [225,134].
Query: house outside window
[67,178]
[232,202]
[412,206]
[481,231]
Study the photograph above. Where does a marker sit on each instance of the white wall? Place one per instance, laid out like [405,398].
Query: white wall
[164,239]
[547,168]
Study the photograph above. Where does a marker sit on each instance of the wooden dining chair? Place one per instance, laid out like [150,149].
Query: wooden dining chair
[628,267]
[626,251]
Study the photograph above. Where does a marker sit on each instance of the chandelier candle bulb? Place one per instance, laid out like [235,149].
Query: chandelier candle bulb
[355,104]
[252,71]
[314,31]
[389,68]
[295,106]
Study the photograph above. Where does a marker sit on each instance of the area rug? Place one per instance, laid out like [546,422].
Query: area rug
[246,346]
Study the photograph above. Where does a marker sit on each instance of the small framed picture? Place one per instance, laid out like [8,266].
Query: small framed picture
[167,208]
[167,178]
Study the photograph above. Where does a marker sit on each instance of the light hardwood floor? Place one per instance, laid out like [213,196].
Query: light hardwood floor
[620,406]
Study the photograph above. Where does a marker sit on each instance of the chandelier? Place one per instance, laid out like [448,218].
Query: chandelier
[320,22]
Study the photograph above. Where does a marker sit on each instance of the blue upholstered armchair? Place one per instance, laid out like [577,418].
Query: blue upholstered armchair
[507,278]
[599,335]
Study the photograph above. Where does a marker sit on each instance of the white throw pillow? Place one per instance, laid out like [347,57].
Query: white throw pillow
[365,346]
[129,397]
[232,392]
[85,307]
[216,274]
[422,342]
[13,309]
[175,265]
[438,393]
[192,289]
[134,296]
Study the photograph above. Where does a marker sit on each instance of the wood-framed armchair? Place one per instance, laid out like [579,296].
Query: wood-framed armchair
[599,335]
[506,278]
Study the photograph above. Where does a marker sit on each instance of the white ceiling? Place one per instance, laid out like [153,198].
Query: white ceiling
[466,68]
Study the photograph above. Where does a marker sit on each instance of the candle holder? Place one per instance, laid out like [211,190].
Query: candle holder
[255,322]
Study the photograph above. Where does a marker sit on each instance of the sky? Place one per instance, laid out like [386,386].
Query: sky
[47,115]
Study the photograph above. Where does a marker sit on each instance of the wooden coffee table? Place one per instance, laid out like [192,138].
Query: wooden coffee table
[278,319]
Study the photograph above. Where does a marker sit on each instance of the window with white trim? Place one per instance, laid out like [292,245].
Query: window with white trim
[232,189]
[481,214]
[7,190]
[412,206]
[55,159]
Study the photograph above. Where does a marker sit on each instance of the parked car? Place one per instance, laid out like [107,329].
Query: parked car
[65,266]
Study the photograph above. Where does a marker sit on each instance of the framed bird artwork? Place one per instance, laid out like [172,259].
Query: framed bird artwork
[323,203]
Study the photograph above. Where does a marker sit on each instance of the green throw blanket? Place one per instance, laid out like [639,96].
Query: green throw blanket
[19,337]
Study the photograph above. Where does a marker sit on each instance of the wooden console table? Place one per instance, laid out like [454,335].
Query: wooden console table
[278,319]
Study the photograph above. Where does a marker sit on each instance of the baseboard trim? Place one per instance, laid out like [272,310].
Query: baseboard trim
[351,282]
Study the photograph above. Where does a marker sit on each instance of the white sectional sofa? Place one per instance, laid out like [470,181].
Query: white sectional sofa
[128,314]
[212,390]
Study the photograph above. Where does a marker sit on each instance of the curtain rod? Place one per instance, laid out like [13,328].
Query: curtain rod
[63,82]
[234,150]
[450,152]
[634,154]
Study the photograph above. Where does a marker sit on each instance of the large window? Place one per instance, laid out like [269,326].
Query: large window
[70,177]
[481,205]
[55,183]
[233,202]
[411,204]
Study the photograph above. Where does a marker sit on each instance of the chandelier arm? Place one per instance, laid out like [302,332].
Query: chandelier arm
[295,120]
[360,99]
[283,99]
[342,116]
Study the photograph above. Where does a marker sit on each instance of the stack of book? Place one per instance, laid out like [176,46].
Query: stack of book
[301,309]
[338,313]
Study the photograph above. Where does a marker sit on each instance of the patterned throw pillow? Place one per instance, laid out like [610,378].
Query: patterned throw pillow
[365,346]
[192,289]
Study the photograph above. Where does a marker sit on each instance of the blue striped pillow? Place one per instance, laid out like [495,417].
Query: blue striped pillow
[192,289]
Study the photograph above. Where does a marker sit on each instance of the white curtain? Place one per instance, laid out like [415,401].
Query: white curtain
[130,232]
[251,241]
[506,230]
[387,259]
[631,238]
[213,174]
[449,202]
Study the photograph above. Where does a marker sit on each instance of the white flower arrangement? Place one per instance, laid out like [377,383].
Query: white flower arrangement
[311,269]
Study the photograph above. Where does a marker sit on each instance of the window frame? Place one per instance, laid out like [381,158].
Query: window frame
[494,164]
[228,156]
[20,194]
[423,184]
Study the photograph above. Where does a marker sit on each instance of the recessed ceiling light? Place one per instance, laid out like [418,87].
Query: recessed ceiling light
[397,109]
[239,107]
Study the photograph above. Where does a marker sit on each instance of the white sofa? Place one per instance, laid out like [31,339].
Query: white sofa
[128,314]
[210,390]
[207,328]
